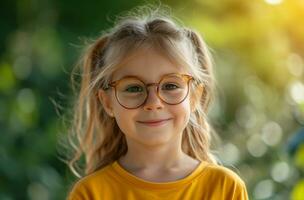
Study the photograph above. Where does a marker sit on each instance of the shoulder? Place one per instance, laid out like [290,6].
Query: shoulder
[100,174]
[218,179]
[221,175]
[85,187]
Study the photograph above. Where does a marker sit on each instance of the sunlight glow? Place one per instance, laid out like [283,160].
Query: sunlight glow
[274,2]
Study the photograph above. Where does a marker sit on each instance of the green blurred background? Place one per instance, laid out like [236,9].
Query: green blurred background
[258,49]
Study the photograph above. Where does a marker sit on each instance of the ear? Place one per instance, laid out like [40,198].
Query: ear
[106,102]
[196,96]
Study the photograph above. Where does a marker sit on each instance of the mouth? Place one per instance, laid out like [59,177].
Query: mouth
[155,122]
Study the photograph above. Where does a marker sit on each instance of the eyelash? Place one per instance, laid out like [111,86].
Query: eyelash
[167,84]
[131,88]
[171,84]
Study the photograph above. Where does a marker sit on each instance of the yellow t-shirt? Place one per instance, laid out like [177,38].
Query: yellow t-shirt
[206,182]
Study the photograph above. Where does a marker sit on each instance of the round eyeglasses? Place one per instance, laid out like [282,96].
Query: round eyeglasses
[131,92]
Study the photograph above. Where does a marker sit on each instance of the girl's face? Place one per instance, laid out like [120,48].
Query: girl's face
[149,66]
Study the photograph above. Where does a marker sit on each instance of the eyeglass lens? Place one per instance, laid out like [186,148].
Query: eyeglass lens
[131,92]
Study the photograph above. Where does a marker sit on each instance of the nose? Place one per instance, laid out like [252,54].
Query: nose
[153,102]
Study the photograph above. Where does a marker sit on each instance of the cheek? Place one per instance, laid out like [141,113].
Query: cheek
[182,112]
[118,110]
[124,117]
[122,114]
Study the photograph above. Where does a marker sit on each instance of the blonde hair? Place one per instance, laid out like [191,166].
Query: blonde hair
[95,137]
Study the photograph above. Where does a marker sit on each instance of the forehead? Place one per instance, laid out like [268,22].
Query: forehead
[148,64]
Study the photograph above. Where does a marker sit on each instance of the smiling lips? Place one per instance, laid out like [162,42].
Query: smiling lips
[154,122]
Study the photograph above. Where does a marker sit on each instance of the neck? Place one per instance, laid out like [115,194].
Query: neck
[153,158]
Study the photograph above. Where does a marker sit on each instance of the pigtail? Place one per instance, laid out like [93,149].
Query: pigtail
[205,61]
[197,136]
[85,121]
[94,58]
[98,136]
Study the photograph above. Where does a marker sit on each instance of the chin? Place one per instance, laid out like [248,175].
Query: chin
[155,140]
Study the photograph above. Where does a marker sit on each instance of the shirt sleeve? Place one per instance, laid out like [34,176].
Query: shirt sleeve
[78,192]
[241,192]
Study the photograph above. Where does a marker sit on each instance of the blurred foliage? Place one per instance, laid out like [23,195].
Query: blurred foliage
[258,44]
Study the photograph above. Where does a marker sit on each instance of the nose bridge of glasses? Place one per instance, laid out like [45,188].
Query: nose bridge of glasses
[151,84]
[152,98]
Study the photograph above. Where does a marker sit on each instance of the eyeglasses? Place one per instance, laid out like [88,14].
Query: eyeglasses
[131,92]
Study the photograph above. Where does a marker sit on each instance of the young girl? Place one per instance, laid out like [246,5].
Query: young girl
[140,120]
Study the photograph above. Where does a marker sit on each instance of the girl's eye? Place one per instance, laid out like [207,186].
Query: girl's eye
[133,89]
[170,86]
